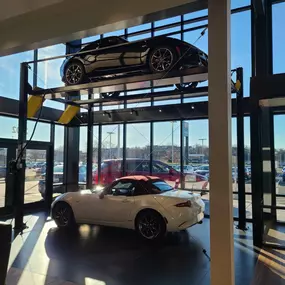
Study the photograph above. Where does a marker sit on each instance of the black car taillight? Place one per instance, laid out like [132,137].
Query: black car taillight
[184,204]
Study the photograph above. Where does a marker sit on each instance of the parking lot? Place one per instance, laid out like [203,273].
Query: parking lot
[32,194]
[31,188]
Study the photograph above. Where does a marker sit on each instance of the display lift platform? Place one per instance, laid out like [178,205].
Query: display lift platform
[145,84]
[99,110]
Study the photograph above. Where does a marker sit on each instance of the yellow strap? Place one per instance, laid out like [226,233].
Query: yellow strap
[238,85]
[68,114]
[34,104]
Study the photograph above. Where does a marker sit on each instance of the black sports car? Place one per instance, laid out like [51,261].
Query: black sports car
[113,56]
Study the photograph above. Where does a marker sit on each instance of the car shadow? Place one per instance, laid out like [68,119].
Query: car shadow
[119,256]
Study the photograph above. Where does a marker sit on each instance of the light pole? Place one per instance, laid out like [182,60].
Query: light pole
[202,140]
[110,134]
[172,142]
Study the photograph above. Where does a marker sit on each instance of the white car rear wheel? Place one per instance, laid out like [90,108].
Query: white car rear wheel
[150,225]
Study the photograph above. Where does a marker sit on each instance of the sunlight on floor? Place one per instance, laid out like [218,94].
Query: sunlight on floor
[273,261]
[90,281]
[276,234]
[19,241]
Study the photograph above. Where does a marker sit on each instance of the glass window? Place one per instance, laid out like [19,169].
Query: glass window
[167,21]
[138,141]
[197,14]
[139,37]
[239,3]
[9,128]
[139,28]
[241,50]
[114,33]
[10,73]
[138,103]
[83,146]
[167,31]
[278,22]
[42,131]
[95,147]
[49,71]
[58,145]
[162,186]
[196,24]
[122,188]
[112,142]
[90,39]
[166,150]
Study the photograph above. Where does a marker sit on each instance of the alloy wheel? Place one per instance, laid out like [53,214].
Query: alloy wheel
[74,74]
[61,215]
[188,85]
[149,227]
[161,59]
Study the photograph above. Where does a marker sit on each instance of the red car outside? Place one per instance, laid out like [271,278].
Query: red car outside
[113,168]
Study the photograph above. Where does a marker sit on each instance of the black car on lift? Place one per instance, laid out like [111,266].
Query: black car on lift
[115,56]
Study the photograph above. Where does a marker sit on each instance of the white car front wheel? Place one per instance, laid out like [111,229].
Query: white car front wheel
[63,215]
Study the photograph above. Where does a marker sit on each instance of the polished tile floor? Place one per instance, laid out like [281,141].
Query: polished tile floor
[108,256]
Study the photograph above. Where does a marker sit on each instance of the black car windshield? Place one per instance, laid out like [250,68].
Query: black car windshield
[161,186]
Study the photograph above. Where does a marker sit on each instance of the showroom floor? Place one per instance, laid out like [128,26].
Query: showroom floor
[108,256]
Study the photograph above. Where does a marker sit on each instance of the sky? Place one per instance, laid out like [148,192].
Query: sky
[139,134]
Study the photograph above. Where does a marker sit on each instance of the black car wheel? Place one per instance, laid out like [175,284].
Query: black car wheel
[186,86]
[150,225]
[111,94]
[63,215]
[161,59]
[74,73]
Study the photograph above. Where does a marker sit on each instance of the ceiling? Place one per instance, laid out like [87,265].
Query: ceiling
[31,24]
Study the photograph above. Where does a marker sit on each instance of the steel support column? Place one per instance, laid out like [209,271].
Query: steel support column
[240,155]
[182,156]
[261,66]
[71,140]
[256,172]
[49,169]
[90,149]
[220,144]
[21,152]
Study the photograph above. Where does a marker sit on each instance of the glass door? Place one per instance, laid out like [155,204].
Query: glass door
[3,172]
[39,175]
[36,161]
[273,175]
[7,153]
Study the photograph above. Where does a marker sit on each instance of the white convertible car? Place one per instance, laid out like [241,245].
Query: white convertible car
[146,204]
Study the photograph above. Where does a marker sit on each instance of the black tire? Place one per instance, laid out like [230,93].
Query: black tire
[150,225]
[157,54]
[74,73]
[186,86]
[63,215]
[111,94]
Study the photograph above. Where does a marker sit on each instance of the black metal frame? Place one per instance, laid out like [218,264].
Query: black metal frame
[263,86]
[240,102]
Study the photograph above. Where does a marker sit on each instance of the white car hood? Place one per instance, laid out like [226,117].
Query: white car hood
[184,194]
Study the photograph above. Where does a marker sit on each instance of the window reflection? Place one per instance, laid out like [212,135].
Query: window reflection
[10,73]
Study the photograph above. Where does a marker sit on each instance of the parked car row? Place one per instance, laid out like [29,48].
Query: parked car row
[112,169]
[58,186]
